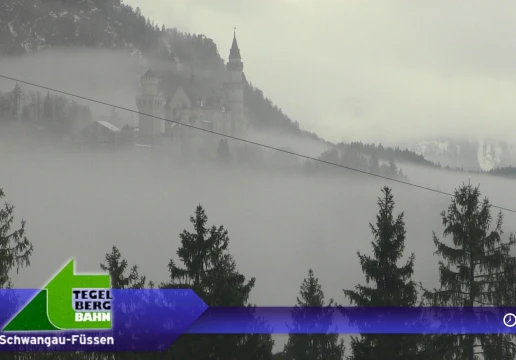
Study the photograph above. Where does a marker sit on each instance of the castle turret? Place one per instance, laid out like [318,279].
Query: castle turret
[235,90]
[152,103]
[149,83]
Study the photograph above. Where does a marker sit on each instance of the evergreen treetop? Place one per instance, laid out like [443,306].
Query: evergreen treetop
[116,266]
[15,247]
[319,346]
[209,269]
[391,286]
[476,269]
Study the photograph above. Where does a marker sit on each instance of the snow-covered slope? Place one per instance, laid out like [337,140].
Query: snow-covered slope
[491,154]
[483,154]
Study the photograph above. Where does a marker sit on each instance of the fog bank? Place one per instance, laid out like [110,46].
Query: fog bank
[280,225]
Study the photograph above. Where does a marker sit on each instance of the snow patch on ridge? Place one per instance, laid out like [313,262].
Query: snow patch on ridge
[489,155]
[482,154]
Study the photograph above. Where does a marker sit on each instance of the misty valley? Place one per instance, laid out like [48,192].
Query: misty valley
[142,153]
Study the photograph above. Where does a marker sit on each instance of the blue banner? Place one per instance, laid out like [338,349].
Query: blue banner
[151,320]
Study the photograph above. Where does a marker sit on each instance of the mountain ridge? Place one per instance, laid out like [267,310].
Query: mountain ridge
[28,26]
[483,154]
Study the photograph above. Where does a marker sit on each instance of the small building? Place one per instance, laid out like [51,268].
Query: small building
[101,132]
[128,135]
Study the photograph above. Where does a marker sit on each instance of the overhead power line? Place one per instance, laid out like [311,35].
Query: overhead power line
[242,140]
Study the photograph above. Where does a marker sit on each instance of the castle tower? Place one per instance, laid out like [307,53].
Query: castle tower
[235,90]
[150,102]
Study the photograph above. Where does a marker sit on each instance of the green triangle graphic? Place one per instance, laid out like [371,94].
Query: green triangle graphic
[33,317]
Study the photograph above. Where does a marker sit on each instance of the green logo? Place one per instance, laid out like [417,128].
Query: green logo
[68,302]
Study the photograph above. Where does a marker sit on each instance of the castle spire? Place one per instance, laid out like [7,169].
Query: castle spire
[234,53]
[149,74]
[235,90]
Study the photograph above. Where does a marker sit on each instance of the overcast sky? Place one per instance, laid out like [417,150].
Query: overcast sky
[364,70]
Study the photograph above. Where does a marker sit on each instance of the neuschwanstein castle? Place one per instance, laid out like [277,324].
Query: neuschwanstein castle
[187,103]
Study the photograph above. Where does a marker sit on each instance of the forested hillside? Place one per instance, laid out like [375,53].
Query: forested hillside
[28,26]
[31,25]
[509,171]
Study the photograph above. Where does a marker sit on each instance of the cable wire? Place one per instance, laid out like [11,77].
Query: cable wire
[243,140]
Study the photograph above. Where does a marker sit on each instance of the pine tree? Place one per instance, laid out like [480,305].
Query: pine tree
[5,106]
[374,165]
[17,95]
[329,156]
[15,252]
[116,266]
[392,170]
[393,285]
[352,157]
[476,270]
[15,248]
[313,346]
[209,269]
